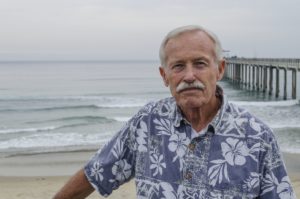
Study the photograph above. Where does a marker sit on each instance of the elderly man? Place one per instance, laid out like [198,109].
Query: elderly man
[192,145]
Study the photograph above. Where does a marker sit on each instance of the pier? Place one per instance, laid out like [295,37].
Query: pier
[270,76]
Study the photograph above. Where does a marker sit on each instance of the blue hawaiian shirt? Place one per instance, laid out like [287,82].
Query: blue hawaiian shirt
[236,156]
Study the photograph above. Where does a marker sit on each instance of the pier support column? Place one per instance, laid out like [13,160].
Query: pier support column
[271,80]
[229,71]
[249,77]
[239,76]
[265,79]
[253,77]
[257,77]
[246,74]
[277,83]
[285,84]
[234,73]
[261,76]
[242,75]
[294,84]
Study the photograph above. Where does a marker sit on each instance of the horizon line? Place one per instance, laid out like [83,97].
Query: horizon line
[81,60]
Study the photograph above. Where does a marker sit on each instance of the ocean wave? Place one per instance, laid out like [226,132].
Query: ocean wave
[89,119]
[27,130]
[267,103]
[290,150]
[49,140]
[285,126]
[91,107]
[125,105]
[121,119]
[97,97]
[117,104]
[54,108]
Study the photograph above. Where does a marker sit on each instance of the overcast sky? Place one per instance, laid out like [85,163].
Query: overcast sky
[133,29]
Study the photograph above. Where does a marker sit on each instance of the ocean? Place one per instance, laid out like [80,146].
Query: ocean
[68,106]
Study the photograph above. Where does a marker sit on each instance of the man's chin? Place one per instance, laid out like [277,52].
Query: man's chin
[191,102]
[191,92]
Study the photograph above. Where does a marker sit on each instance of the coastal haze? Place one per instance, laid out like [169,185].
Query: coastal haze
[133,30]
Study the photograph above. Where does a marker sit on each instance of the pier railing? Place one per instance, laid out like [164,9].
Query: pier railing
[258,74]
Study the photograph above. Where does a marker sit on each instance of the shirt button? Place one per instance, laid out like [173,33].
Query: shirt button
[191,146]
[188,175]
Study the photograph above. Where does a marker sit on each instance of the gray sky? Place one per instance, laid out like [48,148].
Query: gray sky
[133,29]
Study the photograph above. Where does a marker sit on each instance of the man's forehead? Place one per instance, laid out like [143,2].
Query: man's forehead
[194,35]
[189,44]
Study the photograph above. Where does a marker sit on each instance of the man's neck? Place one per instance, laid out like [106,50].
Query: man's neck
[200,117]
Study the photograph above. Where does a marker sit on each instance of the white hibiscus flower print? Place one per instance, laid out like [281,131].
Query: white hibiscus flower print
[142,137]
[121,170]
[157,164]
[163,126]
[178,143]
[218,172]
[284,189]
[252,181]
[254,125]
[97,171]
[269,183]
[168,191]
[234,151]
[118,148]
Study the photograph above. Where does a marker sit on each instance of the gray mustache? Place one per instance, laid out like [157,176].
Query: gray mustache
[183,85]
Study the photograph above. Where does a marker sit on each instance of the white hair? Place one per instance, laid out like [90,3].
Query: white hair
[184,29]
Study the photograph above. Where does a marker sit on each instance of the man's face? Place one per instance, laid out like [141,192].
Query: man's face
[190,61]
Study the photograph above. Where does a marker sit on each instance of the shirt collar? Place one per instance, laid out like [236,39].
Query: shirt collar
[176,114]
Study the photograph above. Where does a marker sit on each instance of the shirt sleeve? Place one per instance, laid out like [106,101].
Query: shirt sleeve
[275,181]
[112,165]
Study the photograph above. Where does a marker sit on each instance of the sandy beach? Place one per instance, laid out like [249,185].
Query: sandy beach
[40,176]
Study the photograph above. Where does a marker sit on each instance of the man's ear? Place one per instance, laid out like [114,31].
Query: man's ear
[221,69]
[163,75]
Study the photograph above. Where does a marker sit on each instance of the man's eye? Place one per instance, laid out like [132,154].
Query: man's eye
[200,64]
[177,66]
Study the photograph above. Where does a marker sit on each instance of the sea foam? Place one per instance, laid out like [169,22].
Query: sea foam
[267,103]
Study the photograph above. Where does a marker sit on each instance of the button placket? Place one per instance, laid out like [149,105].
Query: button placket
[188,175]
[192,146]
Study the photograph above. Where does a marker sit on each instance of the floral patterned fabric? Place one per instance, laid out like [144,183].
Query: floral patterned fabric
[236,157]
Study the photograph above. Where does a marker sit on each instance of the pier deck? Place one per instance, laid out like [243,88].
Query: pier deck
[264,74]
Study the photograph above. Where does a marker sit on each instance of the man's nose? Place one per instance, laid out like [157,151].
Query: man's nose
[189,75]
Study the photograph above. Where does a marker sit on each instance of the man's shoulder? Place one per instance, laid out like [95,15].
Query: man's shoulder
[165,105]
[238,111]
[245,119]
